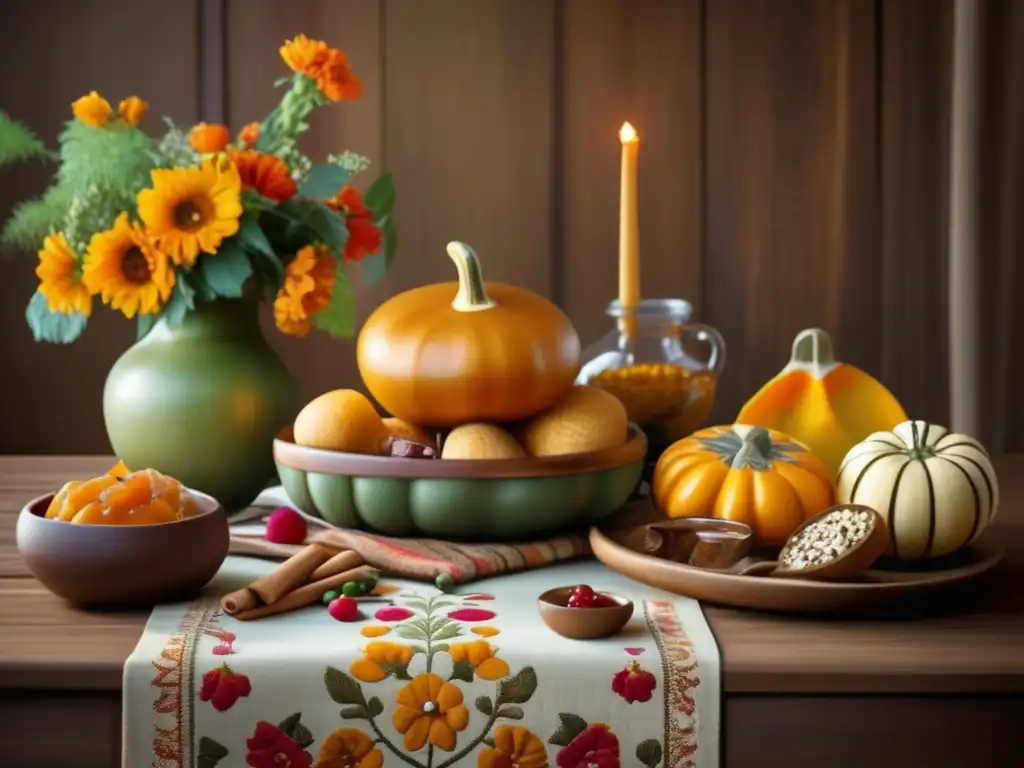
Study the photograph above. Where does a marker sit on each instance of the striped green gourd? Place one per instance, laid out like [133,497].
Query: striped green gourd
[935,489]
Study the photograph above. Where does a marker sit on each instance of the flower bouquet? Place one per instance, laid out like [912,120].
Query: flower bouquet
[155,227]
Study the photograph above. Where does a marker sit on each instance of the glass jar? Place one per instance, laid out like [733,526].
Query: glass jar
[665,371]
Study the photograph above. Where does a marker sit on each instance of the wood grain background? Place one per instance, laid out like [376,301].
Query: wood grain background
[793,167]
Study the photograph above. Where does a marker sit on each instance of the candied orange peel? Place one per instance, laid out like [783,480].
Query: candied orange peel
[123,497]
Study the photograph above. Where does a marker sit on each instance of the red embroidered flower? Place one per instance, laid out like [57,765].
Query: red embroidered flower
[270,747]
[596,747]
[634,683]
[222,687]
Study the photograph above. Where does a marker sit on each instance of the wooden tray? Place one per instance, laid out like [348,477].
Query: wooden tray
[876,589]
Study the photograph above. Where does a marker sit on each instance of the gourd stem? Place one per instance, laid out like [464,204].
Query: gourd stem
[812,352]
[472,295]
[756,448]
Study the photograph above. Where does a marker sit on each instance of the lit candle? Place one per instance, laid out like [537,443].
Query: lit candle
[629,239]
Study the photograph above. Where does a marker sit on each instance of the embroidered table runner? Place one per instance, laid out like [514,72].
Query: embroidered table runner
[431,680]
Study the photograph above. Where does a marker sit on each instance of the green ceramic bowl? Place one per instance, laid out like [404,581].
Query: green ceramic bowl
[499,499]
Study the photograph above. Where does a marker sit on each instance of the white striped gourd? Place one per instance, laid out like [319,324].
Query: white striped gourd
[935,489]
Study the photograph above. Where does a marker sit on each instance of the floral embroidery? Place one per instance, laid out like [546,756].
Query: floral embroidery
[381,659]
[374,630]
[485,631]
[635,651]
[393,613]
[514,746]
[428,707]
[222,687]
[595,747]
[471,614]
[348,748]
[279,746]
[477,656]
[634,683]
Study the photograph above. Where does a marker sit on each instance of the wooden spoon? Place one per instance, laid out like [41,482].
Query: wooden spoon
[848,563]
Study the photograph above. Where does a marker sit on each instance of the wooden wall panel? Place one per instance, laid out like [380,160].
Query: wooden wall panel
[635,60]
[791,179]
[468,108]
[52,52]
[255,31]
[915,82]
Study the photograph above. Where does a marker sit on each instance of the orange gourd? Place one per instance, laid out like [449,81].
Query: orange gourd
[749,474]
[452,353]
[829,405]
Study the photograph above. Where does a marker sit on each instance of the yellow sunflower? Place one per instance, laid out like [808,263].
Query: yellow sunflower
[188,210]
[308,286]
[58,282]
[124,267]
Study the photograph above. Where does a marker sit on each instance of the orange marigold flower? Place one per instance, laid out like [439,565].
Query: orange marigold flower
[337,80]
[429,707]
[132,110]
[304,55]
[92,109]
[209,137]
[249,135]
[380,658]
[58,281]
[479,654]
[348,748]
[364,237]
[514,746]
[308,286]
[267,174]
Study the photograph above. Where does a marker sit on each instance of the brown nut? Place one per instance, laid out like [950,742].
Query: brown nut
[410,449]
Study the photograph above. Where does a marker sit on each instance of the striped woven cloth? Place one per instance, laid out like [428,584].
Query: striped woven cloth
[420,559]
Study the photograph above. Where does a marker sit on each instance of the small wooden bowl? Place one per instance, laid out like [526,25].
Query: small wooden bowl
[582,623]
[119,565]
[854,561]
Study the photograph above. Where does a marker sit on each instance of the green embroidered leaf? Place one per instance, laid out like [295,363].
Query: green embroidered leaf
[483,705]
[342,688]
[439,647]
[374,707]
[462,671]
[409,632]
[54,327]
[447,631]
[354,713]
[380,197]
[210,753]
[511,713]
[324,182]
[299,733]
[227,270]
[398,670]
[182,302]
[649,753]
[339,317]
[569,727]
[517,689]
[416,603]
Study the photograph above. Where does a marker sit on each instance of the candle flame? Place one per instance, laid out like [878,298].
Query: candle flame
[627,134]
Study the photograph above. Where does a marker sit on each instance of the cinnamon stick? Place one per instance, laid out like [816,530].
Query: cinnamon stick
[291,573]
[239,600]
[339,563]
[304,595]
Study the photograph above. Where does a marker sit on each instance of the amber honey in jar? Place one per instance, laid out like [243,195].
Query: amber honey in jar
[662,367]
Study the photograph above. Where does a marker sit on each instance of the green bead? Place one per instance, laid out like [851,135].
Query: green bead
[330,596]
[351,589]
[367,585]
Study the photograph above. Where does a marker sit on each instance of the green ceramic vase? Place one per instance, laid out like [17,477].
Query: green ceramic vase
[202,401]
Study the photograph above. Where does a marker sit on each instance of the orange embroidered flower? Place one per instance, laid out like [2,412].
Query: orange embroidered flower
[58,281]
[92,109]
[308,286]
[428,707]
[337,80]
[479,654]
[348,748]
[380,658]
[364,237]
[209,137]
[267,174]
[514,746]
[132,110]
[249,135]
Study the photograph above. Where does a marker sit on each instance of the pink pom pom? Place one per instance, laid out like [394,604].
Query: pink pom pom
[285,526]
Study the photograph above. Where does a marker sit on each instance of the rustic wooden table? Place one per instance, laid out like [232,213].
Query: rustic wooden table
[942,688]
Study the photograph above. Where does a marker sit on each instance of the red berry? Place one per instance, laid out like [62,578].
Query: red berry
[222,688]
[285,526]
[581,597]
[603,601]
[210,682]
[344,609]
[634,683]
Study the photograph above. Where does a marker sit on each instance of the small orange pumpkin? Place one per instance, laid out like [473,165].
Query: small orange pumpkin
[749,474]
[452,353]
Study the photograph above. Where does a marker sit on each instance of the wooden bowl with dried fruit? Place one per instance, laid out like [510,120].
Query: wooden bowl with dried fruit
[342,462]
[123,539]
